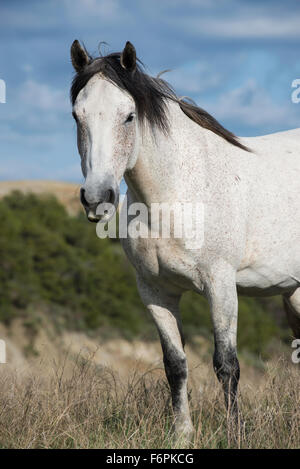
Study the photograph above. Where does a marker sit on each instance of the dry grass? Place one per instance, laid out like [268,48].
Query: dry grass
[87,406]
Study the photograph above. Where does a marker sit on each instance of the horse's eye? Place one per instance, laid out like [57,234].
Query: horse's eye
[130,118]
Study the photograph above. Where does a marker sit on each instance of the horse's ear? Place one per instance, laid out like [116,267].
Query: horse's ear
[79,56]
[128,57]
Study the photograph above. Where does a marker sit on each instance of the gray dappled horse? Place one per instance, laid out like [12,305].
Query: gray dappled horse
[169,150]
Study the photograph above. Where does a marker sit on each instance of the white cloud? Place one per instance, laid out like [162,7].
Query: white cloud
[243,28]
[111,11]
[253,106]
[107,8]
[27,68]
[193,78]
[237,20]
[42,96]
[37,107]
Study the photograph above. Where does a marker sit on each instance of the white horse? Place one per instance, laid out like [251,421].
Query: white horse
[130,124]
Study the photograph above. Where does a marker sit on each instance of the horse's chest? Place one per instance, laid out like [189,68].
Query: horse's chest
[162,259]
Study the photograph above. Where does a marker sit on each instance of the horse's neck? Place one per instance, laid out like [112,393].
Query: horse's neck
[169,166]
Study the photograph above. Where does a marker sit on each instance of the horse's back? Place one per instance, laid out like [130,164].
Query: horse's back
[276,143]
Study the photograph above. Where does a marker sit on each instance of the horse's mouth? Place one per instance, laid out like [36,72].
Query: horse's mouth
[93,217]
[101,213]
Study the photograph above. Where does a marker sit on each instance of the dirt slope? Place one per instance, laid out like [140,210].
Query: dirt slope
[66,193]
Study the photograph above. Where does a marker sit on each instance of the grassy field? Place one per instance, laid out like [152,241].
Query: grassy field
[89,406]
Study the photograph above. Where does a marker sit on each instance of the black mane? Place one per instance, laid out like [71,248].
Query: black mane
[149,94]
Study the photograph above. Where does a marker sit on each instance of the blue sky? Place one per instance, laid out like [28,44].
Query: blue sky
[236,59]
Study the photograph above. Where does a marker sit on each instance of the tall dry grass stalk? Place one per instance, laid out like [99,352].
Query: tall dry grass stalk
[88,406]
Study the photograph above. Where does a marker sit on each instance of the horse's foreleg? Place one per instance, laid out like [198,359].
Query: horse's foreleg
[291,303]
[164,309]
[222,295]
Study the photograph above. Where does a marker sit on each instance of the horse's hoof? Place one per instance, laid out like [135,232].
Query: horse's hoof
[184,434]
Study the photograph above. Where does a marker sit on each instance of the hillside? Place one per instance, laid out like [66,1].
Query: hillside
[66,193]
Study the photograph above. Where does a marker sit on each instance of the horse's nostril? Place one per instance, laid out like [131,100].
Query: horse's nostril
[110,196]
[82,198]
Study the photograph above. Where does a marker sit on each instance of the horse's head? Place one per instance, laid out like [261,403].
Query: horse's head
[112,98]
[107,128]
